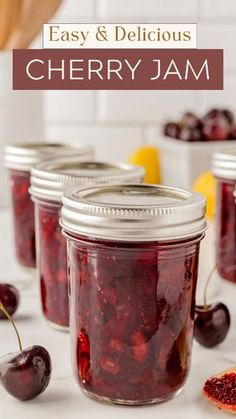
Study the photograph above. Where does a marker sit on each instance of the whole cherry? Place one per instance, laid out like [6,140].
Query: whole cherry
[190,120]
[9,296]
[171,129]
[25,374]
[212,321]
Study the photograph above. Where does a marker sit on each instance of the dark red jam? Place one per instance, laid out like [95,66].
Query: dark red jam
[222,390]
[23,217]
[226,230]
[132,310]
[52,264]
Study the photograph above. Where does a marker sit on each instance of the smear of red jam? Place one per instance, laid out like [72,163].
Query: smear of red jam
[222,389]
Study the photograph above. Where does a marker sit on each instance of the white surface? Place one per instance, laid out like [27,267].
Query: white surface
[63,398]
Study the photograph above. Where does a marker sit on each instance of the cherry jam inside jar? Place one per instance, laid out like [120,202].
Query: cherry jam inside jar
[134,338]
[23,218]
[131,302]
[224,168]
[52,264]
[48,182]
[226,230]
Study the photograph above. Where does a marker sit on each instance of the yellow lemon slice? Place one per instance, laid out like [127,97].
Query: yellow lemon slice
[206,185]
[149,158]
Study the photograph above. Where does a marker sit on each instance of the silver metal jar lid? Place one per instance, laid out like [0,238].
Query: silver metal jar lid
[24,156]
[133,213]
[50,179]
[224,164]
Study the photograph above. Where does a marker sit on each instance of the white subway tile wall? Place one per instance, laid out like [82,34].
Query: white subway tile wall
[148,8]
[222,98]
[117,122]
[218,9]
[70,8]
[219,35]
[142,106]
[69,106]
[113,142]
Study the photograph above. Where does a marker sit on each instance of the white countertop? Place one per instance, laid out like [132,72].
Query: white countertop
[63,398]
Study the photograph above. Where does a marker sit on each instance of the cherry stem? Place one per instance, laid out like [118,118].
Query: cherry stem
[2,308]
[205,305]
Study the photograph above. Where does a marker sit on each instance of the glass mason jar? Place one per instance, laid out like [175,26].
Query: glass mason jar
[133,266]
[224,168]
[19,159]
[49,180]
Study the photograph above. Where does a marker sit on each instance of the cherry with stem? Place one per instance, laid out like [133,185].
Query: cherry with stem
[25,374]
[212,321]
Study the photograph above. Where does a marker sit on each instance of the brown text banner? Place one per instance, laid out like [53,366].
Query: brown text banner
[112,69]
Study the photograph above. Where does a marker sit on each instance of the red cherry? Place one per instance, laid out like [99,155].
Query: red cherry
[190,120]
[232,135]
[228,115]
[217,125]
[190,134]
[171,129]
[216,132]
[25,374]
[212,324]
[212,321]
[9,296]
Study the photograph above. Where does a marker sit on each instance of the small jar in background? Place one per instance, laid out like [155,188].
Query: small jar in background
[48,182]
[19,160]
[133,265]
[224,168]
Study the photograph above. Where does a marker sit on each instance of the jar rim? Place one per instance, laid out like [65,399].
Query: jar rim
[133,212]
[50,179]
[224,163]
[23,156]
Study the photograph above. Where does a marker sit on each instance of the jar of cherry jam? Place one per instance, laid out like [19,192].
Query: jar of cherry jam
[48,182]
[224,168]
[19,159]
[133,266]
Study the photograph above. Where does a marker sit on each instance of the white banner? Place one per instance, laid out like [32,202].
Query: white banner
[119,35]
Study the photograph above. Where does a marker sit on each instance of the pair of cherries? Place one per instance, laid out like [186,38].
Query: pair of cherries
[27,373]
